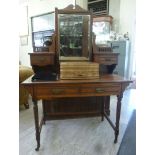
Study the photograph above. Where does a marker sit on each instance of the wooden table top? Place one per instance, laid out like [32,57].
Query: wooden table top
[103,79]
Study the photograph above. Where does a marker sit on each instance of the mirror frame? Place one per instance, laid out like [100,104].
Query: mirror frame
[77,10]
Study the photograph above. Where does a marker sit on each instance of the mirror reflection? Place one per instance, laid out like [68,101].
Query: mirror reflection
[102,31]
[43,27]
[43,22]
[74,36]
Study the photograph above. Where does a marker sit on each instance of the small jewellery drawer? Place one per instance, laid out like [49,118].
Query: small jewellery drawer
[41,59]
[108,60]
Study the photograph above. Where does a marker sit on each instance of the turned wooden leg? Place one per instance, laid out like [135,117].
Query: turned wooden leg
[43,107]
[102,109]
[36,119]
[107,104]
[118,111]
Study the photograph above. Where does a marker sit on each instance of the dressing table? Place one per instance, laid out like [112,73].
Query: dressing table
[70,98]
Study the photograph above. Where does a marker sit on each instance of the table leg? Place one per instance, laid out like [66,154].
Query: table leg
[118,110]
[107,105]
[43,107]
[36,119]
[102,109]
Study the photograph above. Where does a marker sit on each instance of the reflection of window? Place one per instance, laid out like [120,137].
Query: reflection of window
[74,34]
[101,28]
[98,27]
[102,31]
[43,22]
[43,27]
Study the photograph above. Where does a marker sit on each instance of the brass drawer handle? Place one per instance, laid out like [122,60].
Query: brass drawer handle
[57,91]
[100,90]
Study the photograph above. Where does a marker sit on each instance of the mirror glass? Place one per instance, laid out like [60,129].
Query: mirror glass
[43,22]
[74,37]
[102,31]
[43,27]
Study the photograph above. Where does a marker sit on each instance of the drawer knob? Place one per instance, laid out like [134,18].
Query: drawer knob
[100,90]
[57,91]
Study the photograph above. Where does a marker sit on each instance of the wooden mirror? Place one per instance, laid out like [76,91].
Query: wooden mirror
[73,29]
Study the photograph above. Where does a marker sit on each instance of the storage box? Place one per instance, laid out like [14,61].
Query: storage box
[79,70]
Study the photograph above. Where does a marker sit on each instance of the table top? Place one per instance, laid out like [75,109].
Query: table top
[103,79]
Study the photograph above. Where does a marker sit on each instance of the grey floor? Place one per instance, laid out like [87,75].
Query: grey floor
[86,136]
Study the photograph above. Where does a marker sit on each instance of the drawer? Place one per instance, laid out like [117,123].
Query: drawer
[112,90]
[77,91]
[98,89]
[42,60]
[106,60]
[54,92]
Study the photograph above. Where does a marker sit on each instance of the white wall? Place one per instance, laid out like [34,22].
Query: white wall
[36,7]
[82,3]
[124,20]
[114,11]
[128,24]
[127,16]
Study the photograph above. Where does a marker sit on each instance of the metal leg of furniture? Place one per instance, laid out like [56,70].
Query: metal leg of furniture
[36,118]
[118,110]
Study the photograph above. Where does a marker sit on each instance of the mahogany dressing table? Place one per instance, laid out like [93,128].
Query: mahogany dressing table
[104,86]
[74,98]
